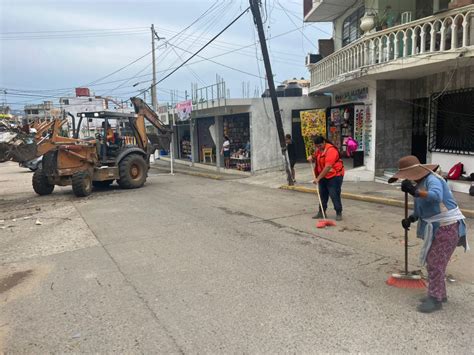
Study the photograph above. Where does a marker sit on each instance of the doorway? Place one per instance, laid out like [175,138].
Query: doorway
[419,135]
[297,136]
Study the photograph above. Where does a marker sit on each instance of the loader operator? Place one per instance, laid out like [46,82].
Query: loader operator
[110,137]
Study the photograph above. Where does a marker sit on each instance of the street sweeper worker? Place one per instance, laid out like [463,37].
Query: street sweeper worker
[329,174]
[440,224]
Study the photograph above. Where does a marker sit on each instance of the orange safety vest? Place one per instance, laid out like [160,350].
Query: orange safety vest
[320,159]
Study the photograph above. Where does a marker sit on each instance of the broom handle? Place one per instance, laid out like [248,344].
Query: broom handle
[317,192]
[406,235]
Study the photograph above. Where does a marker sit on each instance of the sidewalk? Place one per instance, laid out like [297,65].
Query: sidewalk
[362,191]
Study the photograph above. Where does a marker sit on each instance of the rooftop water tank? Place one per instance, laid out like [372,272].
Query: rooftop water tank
[280,90]
[266,93]
[293,89]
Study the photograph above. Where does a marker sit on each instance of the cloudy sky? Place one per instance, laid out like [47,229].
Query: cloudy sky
[48,47]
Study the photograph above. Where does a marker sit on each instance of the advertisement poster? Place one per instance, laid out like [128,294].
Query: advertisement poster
[184,109]
[367,130]
[313,123]
[359,111]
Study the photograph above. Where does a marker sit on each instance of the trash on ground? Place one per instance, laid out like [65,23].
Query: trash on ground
[38,222]
[450,278]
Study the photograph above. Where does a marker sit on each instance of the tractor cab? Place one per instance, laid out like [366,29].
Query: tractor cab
[114,133]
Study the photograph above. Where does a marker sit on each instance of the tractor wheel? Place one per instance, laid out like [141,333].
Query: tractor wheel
[133,172]
[102,184]
[41,184]
[82,184]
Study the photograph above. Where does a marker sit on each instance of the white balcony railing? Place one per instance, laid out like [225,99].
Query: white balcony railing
[444,32]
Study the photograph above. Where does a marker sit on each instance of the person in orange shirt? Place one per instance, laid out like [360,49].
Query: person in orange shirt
[329,173]
[109,133]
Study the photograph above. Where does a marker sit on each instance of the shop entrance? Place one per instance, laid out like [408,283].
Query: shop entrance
[419,135]
[297,137]
[206,140]
[183,133]
[237,128]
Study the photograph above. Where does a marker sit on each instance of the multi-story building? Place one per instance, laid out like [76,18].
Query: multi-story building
[84,101]
[41,112]
[401,75]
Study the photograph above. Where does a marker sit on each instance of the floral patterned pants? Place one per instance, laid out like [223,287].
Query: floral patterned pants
[442,248]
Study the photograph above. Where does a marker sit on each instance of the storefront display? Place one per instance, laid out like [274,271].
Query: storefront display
[237,128]
[185,148]
[341,126]
[183,139]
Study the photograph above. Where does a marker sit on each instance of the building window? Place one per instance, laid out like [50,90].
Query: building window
[351,26]
[35,112]
[90,100]
[66,101]
[452,122]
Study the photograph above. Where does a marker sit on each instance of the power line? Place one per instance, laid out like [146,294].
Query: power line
[221,64]
[201,49]
[81,30]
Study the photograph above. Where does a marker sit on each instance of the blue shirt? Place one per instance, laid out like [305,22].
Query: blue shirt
[438,194]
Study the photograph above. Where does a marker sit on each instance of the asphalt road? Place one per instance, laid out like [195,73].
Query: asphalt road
[191,265]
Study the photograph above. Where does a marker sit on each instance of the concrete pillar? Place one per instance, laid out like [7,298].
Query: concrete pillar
[194,141]
[219,133]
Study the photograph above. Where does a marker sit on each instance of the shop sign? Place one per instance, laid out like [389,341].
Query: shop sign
[355,95]
[363,127]
[184,109]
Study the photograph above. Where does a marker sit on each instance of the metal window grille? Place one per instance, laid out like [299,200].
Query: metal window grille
[452,122]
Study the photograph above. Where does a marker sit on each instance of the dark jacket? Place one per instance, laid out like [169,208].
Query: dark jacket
[291,152]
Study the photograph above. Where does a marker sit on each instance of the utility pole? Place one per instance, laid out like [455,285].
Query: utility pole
[153,84]
[254,7]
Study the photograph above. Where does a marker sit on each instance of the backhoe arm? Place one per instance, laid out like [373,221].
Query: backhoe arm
[163,139]
[141,108]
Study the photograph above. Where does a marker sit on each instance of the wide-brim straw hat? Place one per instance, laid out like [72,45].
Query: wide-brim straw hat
[409,167]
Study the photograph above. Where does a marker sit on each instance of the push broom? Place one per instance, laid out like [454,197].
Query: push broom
[406,279]
[322,223]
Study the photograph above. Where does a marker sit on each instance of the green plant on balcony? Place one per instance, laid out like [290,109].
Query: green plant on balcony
[386,19]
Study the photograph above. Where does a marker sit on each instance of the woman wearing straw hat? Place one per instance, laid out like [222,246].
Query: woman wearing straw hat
[440,224]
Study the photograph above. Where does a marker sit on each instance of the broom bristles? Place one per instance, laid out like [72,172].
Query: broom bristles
[322,223]
[405,283]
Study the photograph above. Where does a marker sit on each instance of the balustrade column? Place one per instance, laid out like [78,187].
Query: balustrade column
[405,44]
[465,33]
[442,45]
[432,39]
[454,36]
[395,47]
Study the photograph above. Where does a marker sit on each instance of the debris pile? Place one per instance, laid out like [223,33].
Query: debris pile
[15,144]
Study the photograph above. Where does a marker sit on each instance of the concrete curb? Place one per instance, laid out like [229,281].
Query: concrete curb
[193,173]
[381,200]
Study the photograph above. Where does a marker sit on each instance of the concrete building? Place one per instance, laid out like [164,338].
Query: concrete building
[75,104]
[410,63]
[249,123]
[41,112]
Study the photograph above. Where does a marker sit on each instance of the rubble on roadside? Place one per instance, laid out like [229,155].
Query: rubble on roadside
[15,144]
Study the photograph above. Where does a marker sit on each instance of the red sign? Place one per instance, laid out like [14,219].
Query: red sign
[82,92]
